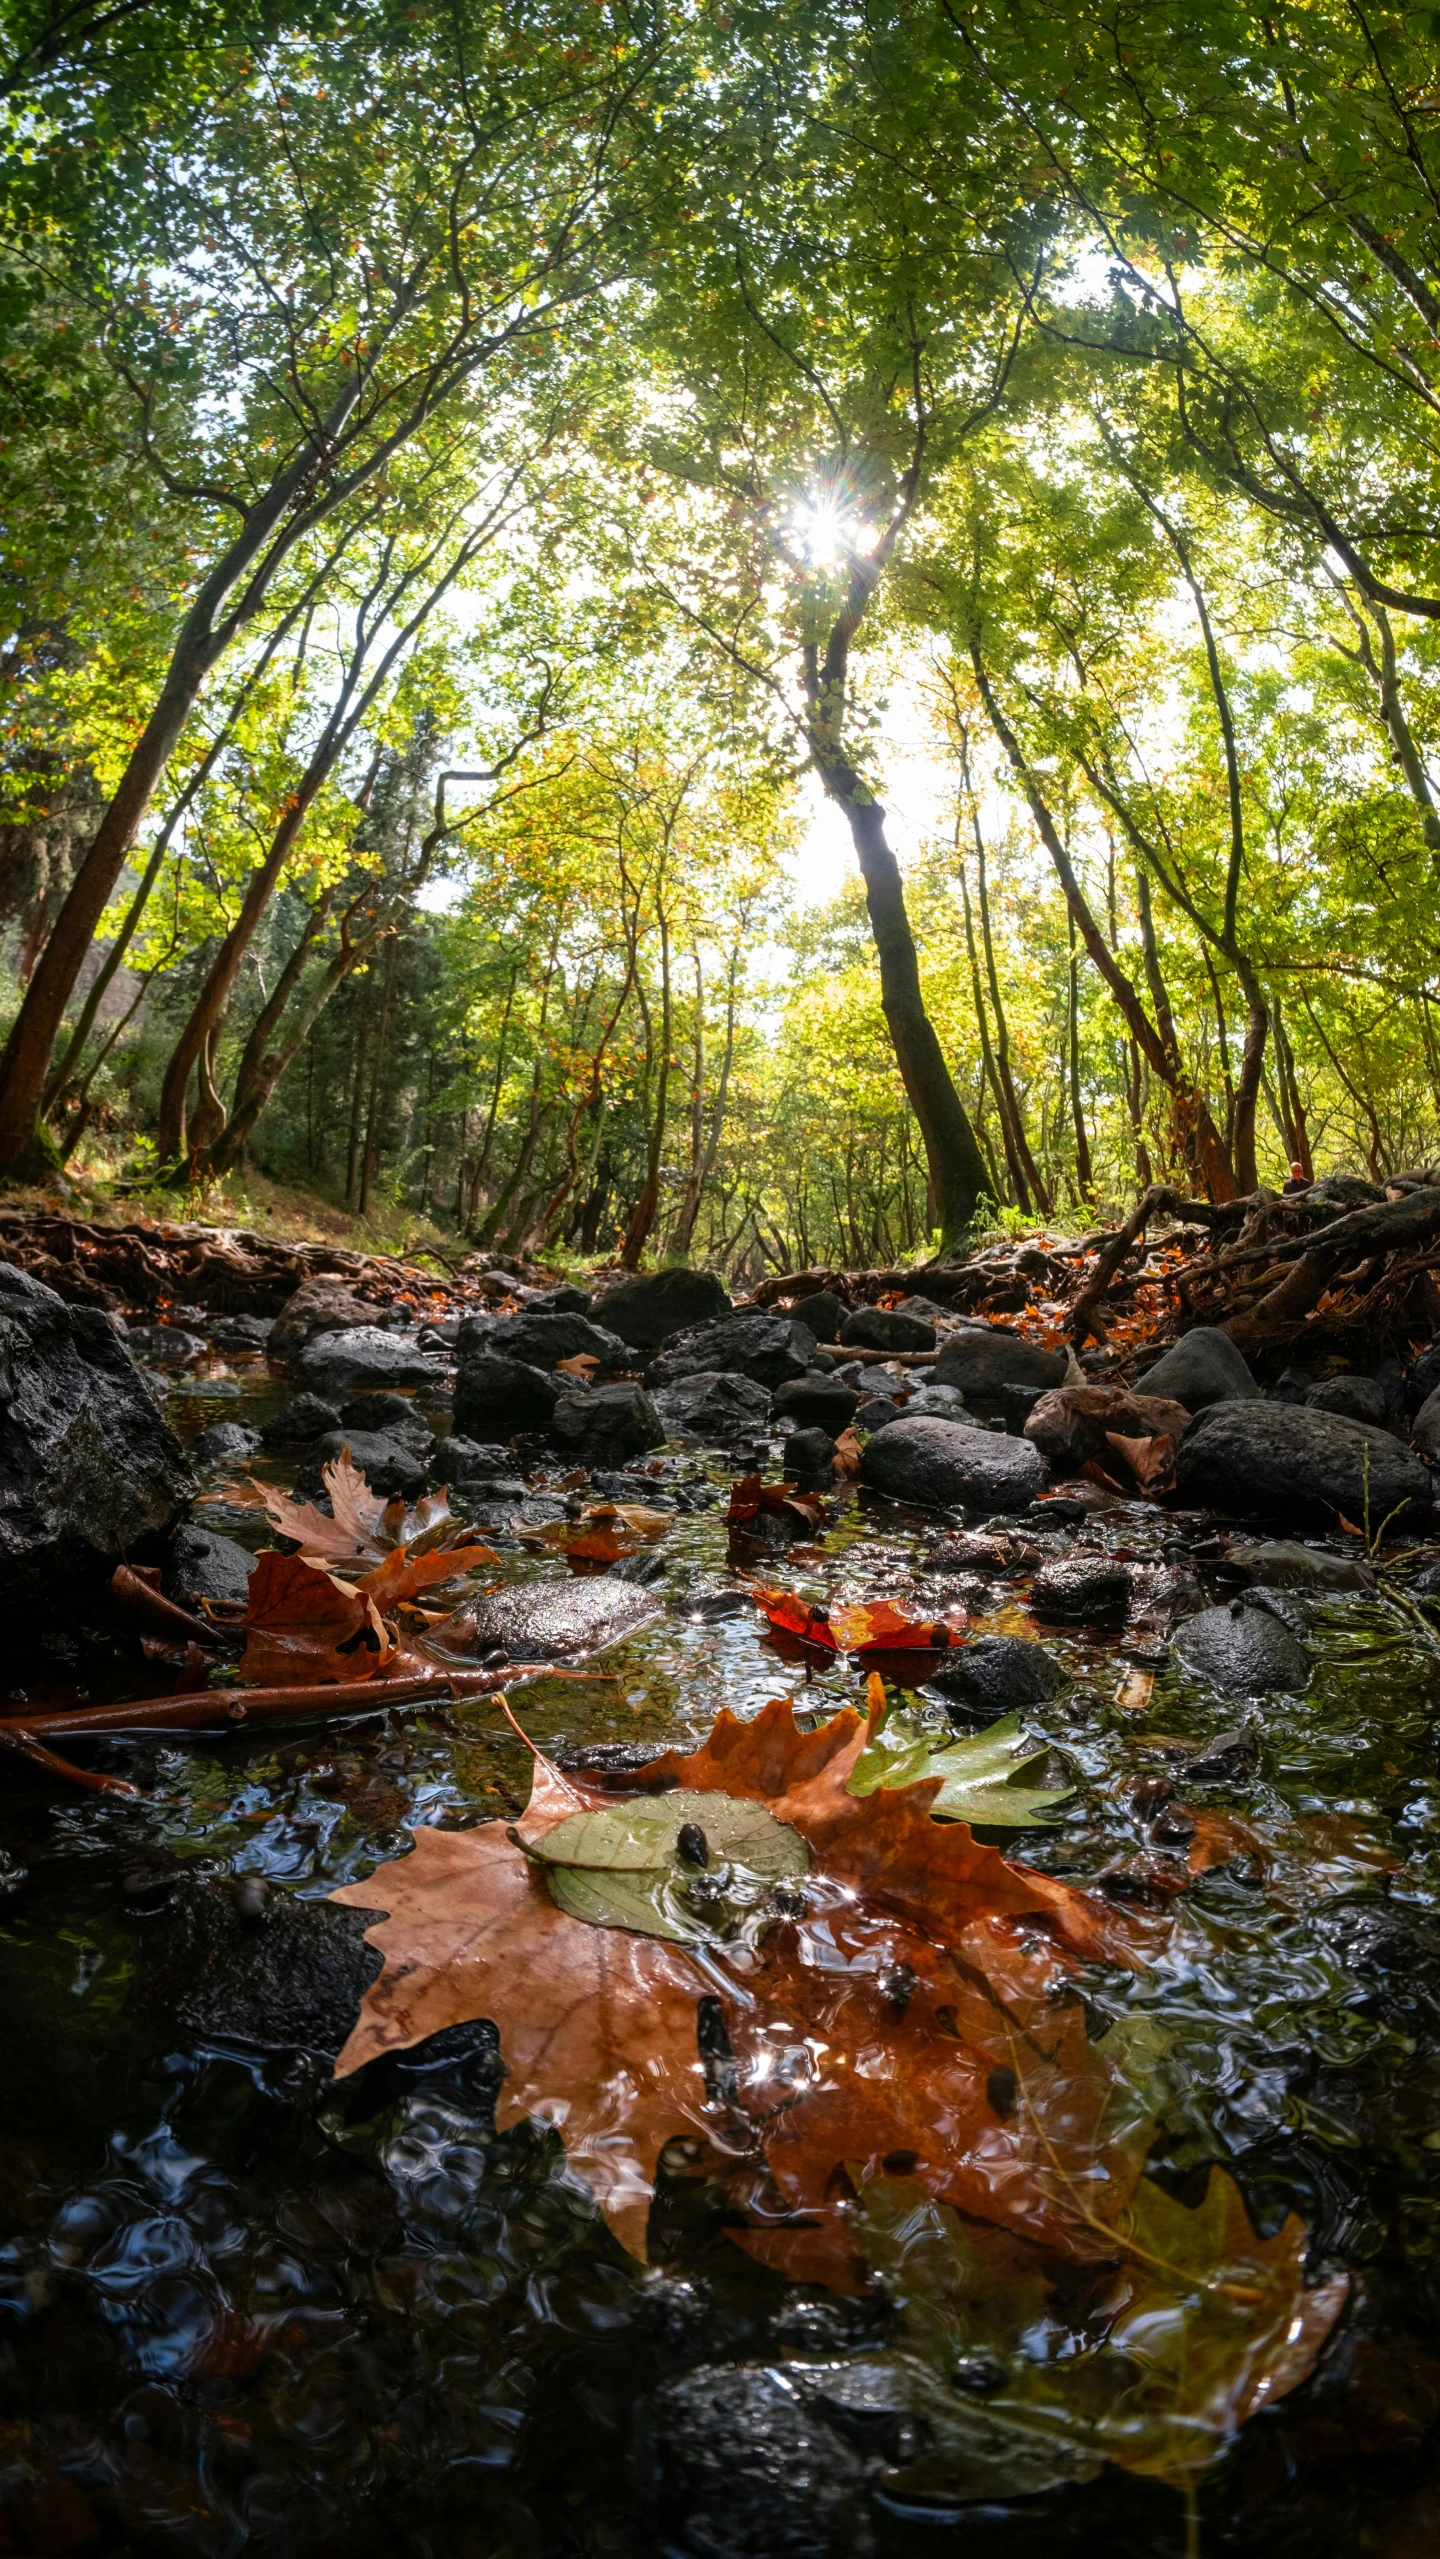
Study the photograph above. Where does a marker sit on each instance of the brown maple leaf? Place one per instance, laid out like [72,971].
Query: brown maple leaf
[302,1624]
[1151,1461]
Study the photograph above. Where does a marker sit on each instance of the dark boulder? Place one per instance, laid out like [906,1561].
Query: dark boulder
[163,1345]
[647,1310]
[946,1403]
[808,1459]
[982,1357]
[224,1444]
[323,1305]
[603,1425]
[387,1466]
[878,1412]
[202,1565]
[770,1348]
[367,1356]
[89,1469]
[937,1464]
[1202,1368]
[251,1964]
[1360,1399]
[544,1340]
[1261,1458]
[393,1416]
[815,1403]
[546,1621]
[1072,1423]
[1242,1648]
[564,1300]
[876,1328]
[1426,1431]
[714,1404]
[1088,1590]
[478,1470]
[822,1314]
[999,1675]
[496,1397]
[305,1418]
[241,1332]
[1423,1379]
[744,2469]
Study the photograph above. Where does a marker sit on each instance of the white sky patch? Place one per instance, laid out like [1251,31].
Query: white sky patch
[916,785]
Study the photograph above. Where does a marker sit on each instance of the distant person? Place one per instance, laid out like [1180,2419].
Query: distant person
[1299,1181]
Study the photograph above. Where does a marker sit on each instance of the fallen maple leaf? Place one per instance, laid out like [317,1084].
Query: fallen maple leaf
[846,1460]
[875,1627]
[405,1552]
[1151,1461]
[603,1532]
[749,1497]
[302,1625]
[581,1364]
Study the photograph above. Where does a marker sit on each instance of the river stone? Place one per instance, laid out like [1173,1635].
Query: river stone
[808,1459]
[815,1403]
[496,1397]
[547,1621]
[303,1419]
[1426,1432]
[821,1315]
[980,1358]
[877,1328]
[1360,1399]
[945,1403]
[650,1309]
[366,1356]
[89,1468]
[202,1565]
[318,1306]
[393,1416]
[1282,1565]
[1261,1457]
[877,1413]
[386,1465]
[1087,1589]
[937,1464]
[224,1444]
[250,1964]
[163,1345]
[769,1348]
[1202,1368]
[748,2471]
[716,1403]
[1069,1425]
[1242,1649]
[241,1332]
[603,1425]
[999,1674]
[544,1340]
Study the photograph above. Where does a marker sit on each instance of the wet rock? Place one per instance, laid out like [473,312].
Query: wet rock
[982,1358]
[1071,1423]
[393,1416]
[877,1412]
[808,1459]
[996,1675]
[1225,1757]
[1243,1649]
[1088,1590]
[1424,1377]
[603,1425]
[88,1466]
[202,1565]
[821,1315]
[386,1465]
[746,2470]
[306,1417]
[816,1403]
[477,1471]
[496,1397]
[769,1348]
[547,1621]
[224,1444]
[938,1464]
[275,1972]
[241,1332]
[1360,1399]
[367,1356]
[564,1300]
[714,1404]
[1426,1431]
[876,1328]
[1261,1457]
[1345,1190]
[163,1345]
[988,1554]
[708,1608]
[649,1310]
[1282,1565]
[1202,1368]
[322,1305]
[943,1403]
[542,1341]
[1163,1597]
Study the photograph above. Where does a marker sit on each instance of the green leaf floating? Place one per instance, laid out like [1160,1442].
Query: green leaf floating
[980,1778]
[624,1867]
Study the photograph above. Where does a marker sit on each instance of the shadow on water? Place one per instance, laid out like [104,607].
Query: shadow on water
[244,2308]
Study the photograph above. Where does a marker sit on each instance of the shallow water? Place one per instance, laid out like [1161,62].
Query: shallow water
[244,2308]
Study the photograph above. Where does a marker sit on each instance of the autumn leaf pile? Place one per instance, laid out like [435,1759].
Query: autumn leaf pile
[897,2077]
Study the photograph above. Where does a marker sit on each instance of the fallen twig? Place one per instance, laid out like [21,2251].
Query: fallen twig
[20,1740]
[224,1709]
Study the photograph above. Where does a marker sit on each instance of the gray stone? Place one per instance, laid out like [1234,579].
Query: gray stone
[242,1332]
[496,1397]
[808,1459]
[1360,1399]
[323,1305]
[1241,1648]
[201,1565]
[821,1315]
[1282,1565]
[603,1425]
[305,1418]
[89,1468]
[980,1358]
[543,1340]
[564,1300]
[224,1444]
[769,1348]
[1426,1433]
[751,2471]
[1424,1377]
[874,1328]
[367,1356]
[651,1308]
[163,1345]
[386,1466]
[938,1464]
[943,1403]
[1202,1368]
[1089,1590]
[815,1403]
[999,1674]
[393,1416]
[715,1403]
[545,1621]
[1259,1458]
[877,1413]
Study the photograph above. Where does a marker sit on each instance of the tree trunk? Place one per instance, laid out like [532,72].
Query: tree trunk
[379,1051]
[684,1232]
[1019,1190]
[1084,1167]
[637,1233]
[1298,1138]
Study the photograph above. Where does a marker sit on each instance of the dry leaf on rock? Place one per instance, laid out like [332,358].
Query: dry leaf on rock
[877,1627]
[302,1625]
[846,1460]
[1151,1461]
[749,1496]
[581,1364]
